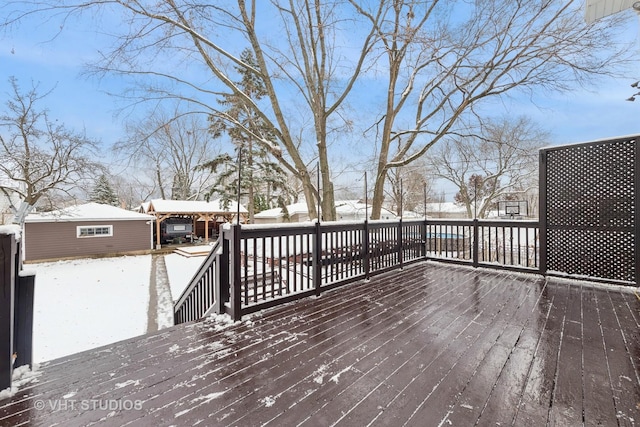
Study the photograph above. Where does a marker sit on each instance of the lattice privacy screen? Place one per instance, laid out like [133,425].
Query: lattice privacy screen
[590,209]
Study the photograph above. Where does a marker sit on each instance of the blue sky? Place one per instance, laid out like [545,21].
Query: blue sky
[81,102]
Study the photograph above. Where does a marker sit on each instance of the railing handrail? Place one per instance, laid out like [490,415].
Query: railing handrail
[493,221]
[215,252]
[252,250]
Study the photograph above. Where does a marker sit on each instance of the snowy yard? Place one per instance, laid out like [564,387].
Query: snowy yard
[87,303]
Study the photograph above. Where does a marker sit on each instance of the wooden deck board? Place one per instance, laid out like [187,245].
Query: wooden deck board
[598,398]
[432,344]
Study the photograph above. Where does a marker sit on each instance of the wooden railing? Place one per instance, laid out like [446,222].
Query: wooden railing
[259,266]
[203,292]
[16,307]
[510,245]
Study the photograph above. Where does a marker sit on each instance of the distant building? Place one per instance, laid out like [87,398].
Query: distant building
[204,217]
[86,230]
[296,212]
[354,210]
[346,210]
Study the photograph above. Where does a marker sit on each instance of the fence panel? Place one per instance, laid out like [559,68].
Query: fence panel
[505,244]
[450,240]
[589,208]
[275,262]
[343,254]
[16,307]
[199,297]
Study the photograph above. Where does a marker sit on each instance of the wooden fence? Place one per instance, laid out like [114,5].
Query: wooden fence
[16,308]
[259,266]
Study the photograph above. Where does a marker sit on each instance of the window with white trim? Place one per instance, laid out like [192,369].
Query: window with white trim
[94,231]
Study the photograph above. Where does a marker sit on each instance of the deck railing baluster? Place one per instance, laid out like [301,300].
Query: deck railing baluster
[316,256]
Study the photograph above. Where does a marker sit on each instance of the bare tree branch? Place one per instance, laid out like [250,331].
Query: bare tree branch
[37,155]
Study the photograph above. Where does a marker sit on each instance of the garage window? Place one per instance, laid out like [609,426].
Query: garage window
[95,231]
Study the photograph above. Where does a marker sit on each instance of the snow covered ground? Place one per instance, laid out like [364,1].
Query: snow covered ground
[180,270]
[87,303]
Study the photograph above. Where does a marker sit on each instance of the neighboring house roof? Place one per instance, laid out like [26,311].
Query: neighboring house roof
[343,207]
[193,206]
[293,209]
[358,209]
[270,213]
[144,207]
[88,212]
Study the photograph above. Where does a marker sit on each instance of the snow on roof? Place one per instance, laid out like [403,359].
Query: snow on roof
[270,213]
[293,209]
[345,207]
[297,208]
[193,206]
[144,207]
[88,212]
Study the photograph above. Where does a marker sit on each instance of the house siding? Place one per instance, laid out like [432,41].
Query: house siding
[50,240]
[269,220]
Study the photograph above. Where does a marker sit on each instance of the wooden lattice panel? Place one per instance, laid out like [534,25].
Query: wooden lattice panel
[590,216]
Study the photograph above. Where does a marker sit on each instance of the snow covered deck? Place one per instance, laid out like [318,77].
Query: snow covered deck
[432,344]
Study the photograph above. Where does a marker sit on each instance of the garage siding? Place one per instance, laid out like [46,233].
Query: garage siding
[49,240]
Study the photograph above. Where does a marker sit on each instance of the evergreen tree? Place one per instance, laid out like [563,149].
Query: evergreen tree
[103,192]
[262,179]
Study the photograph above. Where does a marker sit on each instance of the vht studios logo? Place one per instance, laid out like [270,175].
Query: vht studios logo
[88,405]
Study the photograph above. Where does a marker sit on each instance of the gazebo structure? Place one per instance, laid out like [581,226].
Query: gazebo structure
[214,212]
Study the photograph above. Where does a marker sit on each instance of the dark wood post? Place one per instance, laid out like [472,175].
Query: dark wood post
[542,211]
[423,237]
[223,271]
[236,280]
[317,258]
[24,319]
[476,242]
[7,275]
[366,257]
[400,244]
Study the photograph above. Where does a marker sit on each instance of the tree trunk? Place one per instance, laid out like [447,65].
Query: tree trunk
[385,143]
[160,183]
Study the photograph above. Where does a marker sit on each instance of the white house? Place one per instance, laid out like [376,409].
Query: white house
[296,212]
[346,210]
[353,210]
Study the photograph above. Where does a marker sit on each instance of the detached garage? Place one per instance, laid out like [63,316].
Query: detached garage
[86,230]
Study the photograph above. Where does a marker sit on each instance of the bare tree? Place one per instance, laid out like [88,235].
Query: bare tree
[500,161]
[187,50]
[133,189]
[38,156]
[439,69]
[170,145]
[440,60]
[408,186]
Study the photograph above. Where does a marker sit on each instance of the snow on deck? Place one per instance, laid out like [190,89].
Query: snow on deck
[429,345]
